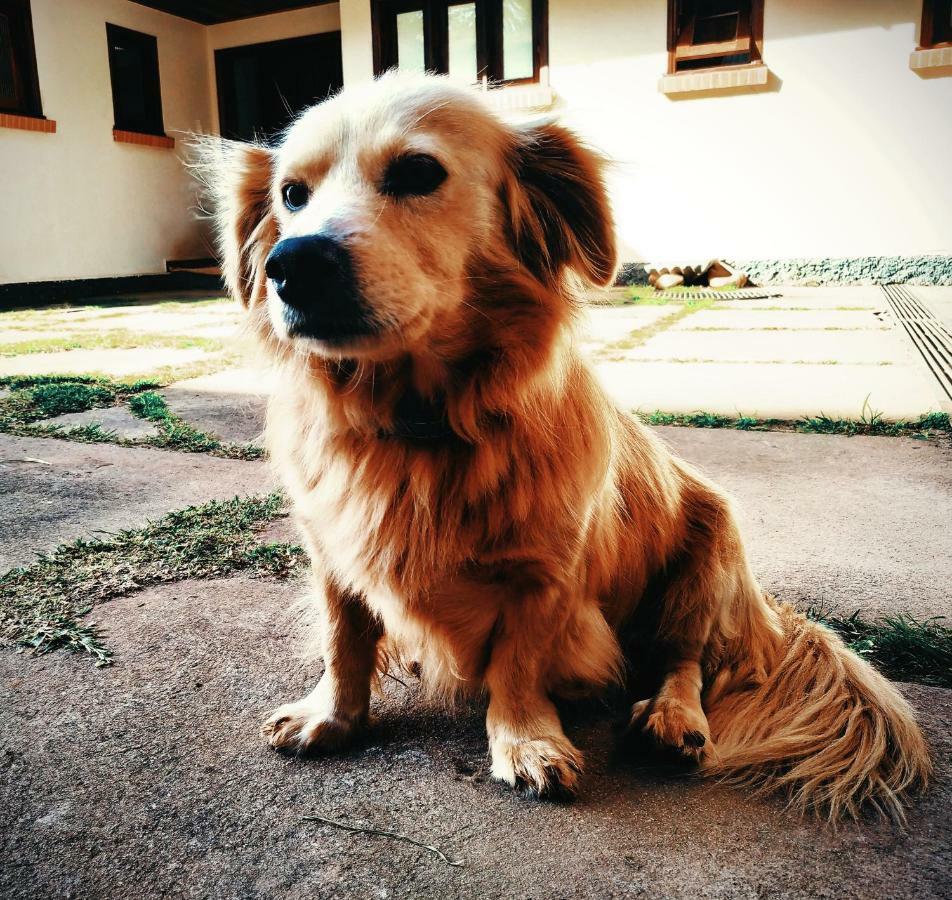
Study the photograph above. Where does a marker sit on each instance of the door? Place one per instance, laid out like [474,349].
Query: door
[262,87]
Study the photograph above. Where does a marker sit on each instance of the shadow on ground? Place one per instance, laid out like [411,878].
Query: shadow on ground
[149,779]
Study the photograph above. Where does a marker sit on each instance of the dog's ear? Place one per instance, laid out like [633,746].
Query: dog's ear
[557,206]
[237,177]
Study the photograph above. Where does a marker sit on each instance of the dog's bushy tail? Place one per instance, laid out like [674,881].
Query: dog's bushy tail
[823,725]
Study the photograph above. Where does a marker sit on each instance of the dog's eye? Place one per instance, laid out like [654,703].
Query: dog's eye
[414,175]
[295,195]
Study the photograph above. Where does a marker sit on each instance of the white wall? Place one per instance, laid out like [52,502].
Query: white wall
[846,154]
[276,27]
[76,204]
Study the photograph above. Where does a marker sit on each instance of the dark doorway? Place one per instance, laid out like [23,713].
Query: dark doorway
[261,87]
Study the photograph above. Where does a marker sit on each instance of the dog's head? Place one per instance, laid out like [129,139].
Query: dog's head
[382,208]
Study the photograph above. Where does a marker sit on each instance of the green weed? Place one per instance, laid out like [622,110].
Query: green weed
[41,605]
[901,647]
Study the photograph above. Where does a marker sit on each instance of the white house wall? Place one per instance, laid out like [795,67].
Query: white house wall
[846,154]
[76,204]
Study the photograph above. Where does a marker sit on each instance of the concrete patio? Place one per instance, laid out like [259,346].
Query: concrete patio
[148,778]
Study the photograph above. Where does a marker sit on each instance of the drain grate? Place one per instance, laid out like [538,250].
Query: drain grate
[928,335]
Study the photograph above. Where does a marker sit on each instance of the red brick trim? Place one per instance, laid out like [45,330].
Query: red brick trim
[144,140]
[27,123]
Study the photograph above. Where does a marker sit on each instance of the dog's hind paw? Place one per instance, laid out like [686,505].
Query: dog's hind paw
[539,769]
[671,726]
[300,728]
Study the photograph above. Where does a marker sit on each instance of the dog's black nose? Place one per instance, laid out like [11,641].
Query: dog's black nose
[305,270]
[314,277]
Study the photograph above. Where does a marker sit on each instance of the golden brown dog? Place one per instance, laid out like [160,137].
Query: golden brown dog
[469,496]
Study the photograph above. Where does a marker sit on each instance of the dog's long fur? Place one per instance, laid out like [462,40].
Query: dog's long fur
[471,499]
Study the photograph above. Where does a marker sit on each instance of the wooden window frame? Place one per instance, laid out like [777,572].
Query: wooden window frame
[750,39]
[156,123]
[489,51]
[25,74]
[930,36]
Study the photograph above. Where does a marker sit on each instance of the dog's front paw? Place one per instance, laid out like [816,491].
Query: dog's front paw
[672,726]
[542,768]
[303,727]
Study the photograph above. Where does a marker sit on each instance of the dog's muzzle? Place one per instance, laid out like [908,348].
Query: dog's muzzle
[314,277]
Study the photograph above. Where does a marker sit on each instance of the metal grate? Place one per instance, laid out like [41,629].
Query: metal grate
[929,336]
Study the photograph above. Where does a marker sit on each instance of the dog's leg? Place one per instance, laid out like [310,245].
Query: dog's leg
[529,748]
[674,717]
[330,715]
[698,585]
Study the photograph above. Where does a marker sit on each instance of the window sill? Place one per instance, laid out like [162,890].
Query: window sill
[931,58]
[160,141]
[702,80]
[519,98]
[27,123]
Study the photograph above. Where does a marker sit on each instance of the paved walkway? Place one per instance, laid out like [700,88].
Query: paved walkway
[833,351]
[149,779]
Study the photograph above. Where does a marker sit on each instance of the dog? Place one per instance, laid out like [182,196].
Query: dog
[469,497]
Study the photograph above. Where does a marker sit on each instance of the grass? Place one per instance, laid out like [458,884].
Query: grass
[176,434]
[114,339]
[116,306]
[41,605]
[930,425]
[34,398]
[640,335]
[645,295]
[901,647]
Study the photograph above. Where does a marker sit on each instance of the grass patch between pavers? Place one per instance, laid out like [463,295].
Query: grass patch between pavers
[639,336]
[177,434]
[41,605]
[115,339]
[929,425]
[38,397]
[901,647]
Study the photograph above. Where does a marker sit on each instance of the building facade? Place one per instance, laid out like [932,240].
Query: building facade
[764,130]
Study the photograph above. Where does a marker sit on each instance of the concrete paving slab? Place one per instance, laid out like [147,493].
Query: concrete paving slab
[150,779]
[830,298]
[54,491]
[765,318]
[158,322]
[768,390]
[115,418]
[229,404]
[849,347]
[855,523]
[117,363]
[939,301]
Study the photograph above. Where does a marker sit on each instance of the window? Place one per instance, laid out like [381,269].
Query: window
[501,41]
[936,23]
[19,86]
[705,34]
[134,69]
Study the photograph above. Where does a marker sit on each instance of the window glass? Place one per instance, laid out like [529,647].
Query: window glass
[129,88]
[462,41]
[8,88]
[134,70]
[517,39]
[714,25]
[410,50]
